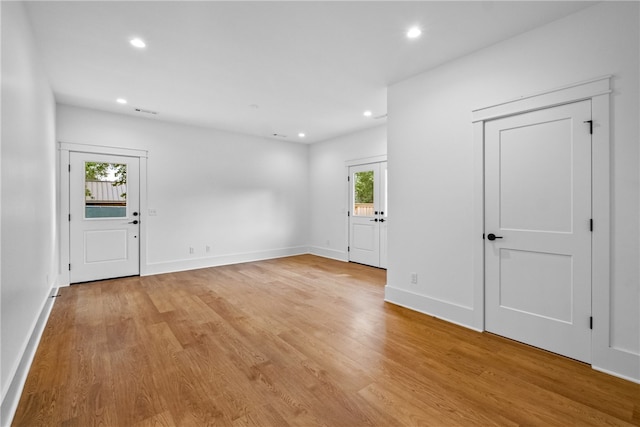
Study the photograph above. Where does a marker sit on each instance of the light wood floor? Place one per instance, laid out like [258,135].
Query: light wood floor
[300,341]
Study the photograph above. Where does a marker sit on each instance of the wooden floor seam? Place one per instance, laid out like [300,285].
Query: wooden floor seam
[297,341]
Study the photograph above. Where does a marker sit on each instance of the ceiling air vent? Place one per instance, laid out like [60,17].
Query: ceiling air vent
[279,135]
[140,110]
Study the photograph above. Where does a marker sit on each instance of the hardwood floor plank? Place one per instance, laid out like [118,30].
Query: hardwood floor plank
[298,341]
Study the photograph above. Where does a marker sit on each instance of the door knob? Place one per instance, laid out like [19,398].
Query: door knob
[374,220]
[382,220]
[492,236]
[135,221]
[135,214]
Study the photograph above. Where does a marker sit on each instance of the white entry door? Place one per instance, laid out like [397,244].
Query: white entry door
[368,214]
[104,216]
[537,226]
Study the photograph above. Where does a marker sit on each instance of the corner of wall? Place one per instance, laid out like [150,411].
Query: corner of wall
[453,313]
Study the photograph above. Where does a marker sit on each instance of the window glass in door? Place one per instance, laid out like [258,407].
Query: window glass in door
[363,193]
[105,190]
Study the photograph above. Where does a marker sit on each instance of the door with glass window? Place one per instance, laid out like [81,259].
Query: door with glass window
[368,214]
[103,216]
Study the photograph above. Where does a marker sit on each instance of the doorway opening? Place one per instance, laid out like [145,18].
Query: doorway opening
[368,214]
[102,226]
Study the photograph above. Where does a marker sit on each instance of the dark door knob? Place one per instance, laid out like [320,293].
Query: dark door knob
[135,214]
[492,237]
[382,220]
[135,221]
[374,220]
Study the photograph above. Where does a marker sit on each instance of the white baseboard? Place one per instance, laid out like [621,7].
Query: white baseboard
[216,261]
[611,361]
[619,363]
[329,253]
[616,374]
[452,313]
[11,396]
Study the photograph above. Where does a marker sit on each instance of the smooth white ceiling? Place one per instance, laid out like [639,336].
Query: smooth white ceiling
[311,67]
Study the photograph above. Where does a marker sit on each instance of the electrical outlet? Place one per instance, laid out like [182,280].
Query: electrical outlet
[190,250]
[152,212]
[414,278]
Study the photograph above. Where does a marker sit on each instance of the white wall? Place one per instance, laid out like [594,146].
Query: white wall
[28,207]
[329,189]
[244,197]
[431,155]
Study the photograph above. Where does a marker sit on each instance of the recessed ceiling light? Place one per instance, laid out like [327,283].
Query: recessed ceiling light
[139,43]
[414,32]
[367,113]
[301,135]
[121,101]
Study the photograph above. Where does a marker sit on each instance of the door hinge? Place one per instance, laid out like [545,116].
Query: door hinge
[348,248]
[591,322]
[348,213]
[590,125]
[69,167]
[69,267]
[69,217]
[348,179]
[591,224]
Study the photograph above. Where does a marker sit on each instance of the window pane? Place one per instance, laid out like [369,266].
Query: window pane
[105,190]
[363,193]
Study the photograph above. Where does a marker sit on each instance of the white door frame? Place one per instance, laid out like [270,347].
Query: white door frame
[65,148]
[347,191]
[598,90]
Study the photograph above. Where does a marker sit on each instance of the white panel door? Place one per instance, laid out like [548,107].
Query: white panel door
[367,215]
[537,225]
[104,216]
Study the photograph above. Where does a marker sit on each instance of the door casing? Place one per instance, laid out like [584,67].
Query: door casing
[347,193]
[597,90]
[65,149]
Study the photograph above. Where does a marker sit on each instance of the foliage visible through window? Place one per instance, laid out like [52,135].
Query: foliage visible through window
[364,187]
[95,171]
[363,193]
[105,190]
